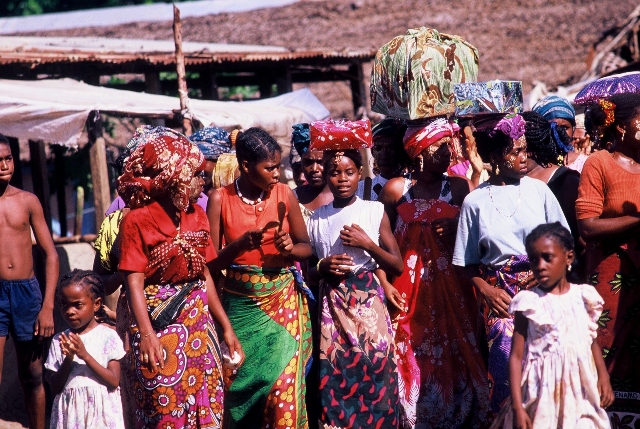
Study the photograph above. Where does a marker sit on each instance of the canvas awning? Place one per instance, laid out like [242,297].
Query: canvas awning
[56,110]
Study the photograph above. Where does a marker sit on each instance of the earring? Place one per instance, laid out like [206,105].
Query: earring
[569,267]
[496,169]
[623,133]
[420,164]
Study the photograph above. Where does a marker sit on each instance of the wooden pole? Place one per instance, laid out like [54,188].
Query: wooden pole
[182,79]
[99,172]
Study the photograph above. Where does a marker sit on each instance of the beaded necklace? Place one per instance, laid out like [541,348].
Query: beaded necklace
[245,199]
[496,207]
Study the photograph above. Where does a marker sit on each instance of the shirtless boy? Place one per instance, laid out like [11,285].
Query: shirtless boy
[23,312]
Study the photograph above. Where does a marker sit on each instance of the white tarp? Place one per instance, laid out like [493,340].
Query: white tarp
[111,16]
[56,110]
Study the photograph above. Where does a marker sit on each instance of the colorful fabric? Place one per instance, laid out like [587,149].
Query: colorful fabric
[165,163]
[442,376]
[358,378]
[212,142]
[151,244]
[188,392]
[494,96]
[104,244]
[301,138]
[559,376]
[414,74]
[512,126]
[388,127]
[512,277]
[85,402]
[340,134]
[417,139]
[269,314]
[226,170]
[554,107]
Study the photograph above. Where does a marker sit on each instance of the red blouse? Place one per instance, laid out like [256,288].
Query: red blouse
[238,218]
[148,244]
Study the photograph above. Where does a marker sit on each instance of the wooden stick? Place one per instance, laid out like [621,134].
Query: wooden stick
[79,210]
[182,79]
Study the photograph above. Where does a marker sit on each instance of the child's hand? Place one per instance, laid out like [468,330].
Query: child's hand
[355,236]
[65,346]
[77,346]
[283,243]
[445,227]
[337,265]
[606,392]
[522,419]
[394,297]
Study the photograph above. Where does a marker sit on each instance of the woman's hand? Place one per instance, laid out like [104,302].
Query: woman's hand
[355,236]
[283,243]
[498,300]
[445,227]
[605,390]
[251,239]
[234,345]
[151,352]
[393,296]
[336,265]
[523,421]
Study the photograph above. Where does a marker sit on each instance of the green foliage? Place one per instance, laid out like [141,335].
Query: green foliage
[36,7]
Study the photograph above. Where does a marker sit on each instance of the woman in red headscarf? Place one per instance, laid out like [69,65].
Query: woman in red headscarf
[165,246]
[443,380]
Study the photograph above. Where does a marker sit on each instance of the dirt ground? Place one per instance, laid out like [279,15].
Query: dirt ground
[536,40]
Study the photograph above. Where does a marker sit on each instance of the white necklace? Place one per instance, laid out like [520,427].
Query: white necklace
[245,199]
[496,207]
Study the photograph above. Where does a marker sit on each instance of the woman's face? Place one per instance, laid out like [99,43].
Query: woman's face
[264,174]
[343,177]
[514,163]
[563,123]
[437,157]
[197,186]
[312,168]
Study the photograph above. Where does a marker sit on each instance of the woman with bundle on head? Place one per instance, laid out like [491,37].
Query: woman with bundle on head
[494,221]
[352,238]
[543,152]
[561,114]
[264,294]
[165,245]
[608,210]
[442,373]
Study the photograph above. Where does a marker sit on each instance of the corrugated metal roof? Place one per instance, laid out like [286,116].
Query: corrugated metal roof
[36,51]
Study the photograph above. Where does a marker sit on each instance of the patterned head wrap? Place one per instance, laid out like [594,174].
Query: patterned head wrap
[388,127]
[554,107]
[417,139]
[301,138]
[609,111]
[511,125]
[212,142]
[164,161]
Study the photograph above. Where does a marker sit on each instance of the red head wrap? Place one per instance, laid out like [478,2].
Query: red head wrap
[417,139]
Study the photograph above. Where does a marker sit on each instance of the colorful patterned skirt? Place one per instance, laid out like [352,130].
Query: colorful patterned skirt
[358,378]
[511,277]
[614,271]
[269,313]
[188,392]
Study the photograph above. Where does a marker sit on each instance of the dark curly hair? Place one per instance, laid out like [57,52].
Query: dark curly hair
[93,285]
[256,145]
[553,230]
[541,141]
[627,106]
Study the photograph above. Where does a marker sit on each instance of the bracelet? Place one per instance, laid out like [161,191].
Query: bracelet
[318,265]
[146,335]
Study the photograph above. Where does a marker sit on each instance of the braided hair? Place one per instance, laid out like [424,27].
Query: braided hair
[331,158]
[92,284]
[553,230]
[627,106]
[542,141]
[255,145]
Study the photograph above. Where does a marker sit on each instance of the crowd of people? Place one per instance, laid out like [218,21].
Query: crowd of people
[486,277]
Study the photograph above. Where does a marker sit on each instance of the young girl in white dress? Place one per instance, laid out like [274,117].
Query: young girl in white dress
[83,367]
[562,381]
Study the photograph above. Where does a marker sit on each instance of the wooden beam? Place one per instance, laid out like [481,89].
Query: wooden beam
[358,90]
[61,188]
[16,179]
[183,93]
[40,175]
[99,172]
